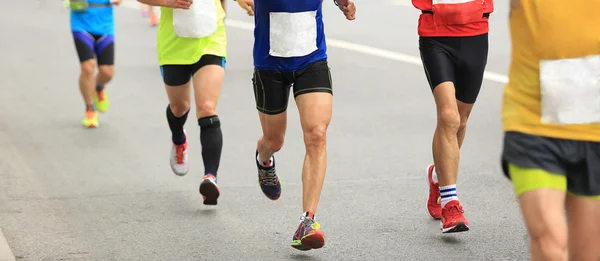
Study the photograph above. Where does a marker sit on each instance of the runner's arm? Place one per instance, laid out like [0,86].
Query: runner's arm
[347,7]
[182,4]
[247,5]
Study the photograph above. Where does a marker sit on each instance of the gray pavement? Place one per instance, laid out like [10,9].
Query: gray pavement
[67,193]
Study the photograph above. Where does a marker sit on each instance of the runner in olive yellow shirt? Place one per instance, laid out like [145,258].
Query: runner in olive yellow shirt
[192,45]
[551,116]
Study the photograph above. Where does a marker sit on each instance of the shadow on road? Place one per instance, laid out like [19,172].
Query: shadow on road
[303,257]
[211,212]
[452,240]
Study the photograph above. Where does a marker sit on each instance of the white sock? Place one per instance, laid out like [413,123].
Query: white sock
[434,176]
[448,194]
[262,163]
[304,216]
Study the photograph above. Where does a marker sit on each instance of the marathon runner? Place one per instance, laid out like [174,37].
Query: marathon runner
[453,42]
[290,50]
[192,44]
[551,117]
[93,27]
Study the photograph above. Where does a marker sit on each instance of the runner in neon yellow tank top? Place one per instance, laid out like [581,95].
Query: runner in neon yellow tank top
[192,44]
[173,49]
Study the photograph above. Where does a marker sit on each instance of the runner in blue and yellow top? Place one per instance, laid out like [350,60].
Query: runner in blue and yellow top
[290,50]
[93,27]
[192,45]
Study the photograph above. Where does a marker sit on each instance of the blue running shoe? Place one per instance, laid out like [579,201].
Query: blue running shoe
[268,179]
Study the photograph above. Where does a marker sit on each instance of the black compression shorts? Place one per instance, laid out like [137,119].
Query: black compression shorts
[272,87]
[460,60]
[101,47]
[180,74]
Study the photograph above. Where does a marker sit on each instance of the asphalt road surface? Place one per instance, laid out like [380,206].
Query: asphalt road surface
[67,193]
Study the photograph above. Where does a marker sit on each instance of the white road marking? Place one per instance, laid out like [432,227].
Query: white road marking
[350,46]
[5,253]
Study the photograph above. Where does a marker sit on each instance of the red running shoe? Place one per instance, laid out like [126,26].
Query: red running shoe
[453,218]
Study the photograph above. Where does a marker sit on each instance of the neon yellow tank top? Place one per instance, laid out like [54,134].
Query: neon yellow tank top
[173,49]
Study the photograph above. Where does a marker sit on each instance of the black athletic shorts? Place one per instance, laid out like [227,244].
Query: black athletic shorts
[578,162]
[101,47]
[272,87]
[180,74]
[460,60]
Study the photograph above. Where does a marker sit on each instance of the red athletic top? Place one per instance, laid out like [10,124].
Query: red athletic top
[454,18]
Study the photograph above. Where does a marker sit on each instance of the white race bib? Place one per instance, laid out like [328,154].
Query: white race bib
[197,22]
[570,90]
[293,34]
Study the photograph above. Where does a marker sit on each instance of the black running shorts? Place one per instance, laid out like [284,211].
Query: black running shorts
[101,47]
[180,74]
[272,88]
[460,60]
[556,163]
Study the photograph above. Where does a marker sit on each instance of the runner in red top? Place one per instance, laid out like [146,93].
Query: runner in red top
[453,41]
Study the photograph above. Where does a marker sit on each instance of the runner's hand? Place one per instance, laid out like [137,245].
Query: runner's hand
[116,2]
[248,5]
[181,4]
[348,8]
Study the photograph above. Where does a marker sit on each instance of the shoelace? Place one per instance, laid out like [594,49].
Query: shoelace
[308,221]
[455,211]
[268,177]
[180,154]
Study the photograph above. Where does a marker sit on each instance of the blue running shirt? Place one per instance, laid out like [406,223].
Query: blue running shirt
[288,34]
[97,21]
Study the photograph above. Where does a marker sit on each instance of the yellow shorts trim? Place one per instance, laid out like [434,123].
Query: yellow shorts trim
[584,197]
[528,179]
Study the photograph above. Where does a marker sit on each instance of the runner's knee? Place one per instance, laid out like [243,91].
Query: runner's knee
[274,142]
[450,120]
[315,136]
[206,108]
[88,67]
[106,72]
[550,245]
[180,108]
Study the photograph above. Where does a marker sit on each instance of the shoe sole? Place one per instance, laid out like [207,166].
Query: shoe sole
[180,174]
[427,203]
[90,126]
[210,192]
[460,227]
[314,240]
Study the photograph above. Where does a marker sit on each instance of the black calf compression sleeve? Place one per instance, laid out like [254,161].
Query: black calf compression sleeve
[211,139]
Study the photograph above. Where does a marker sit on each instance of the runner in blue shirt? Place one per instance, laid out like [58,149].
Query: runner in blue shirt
[93,27]
[290,50]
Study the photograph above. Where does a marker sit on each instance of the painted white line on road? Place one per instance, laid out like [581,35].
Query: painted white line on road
[359,48]
[5,253]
